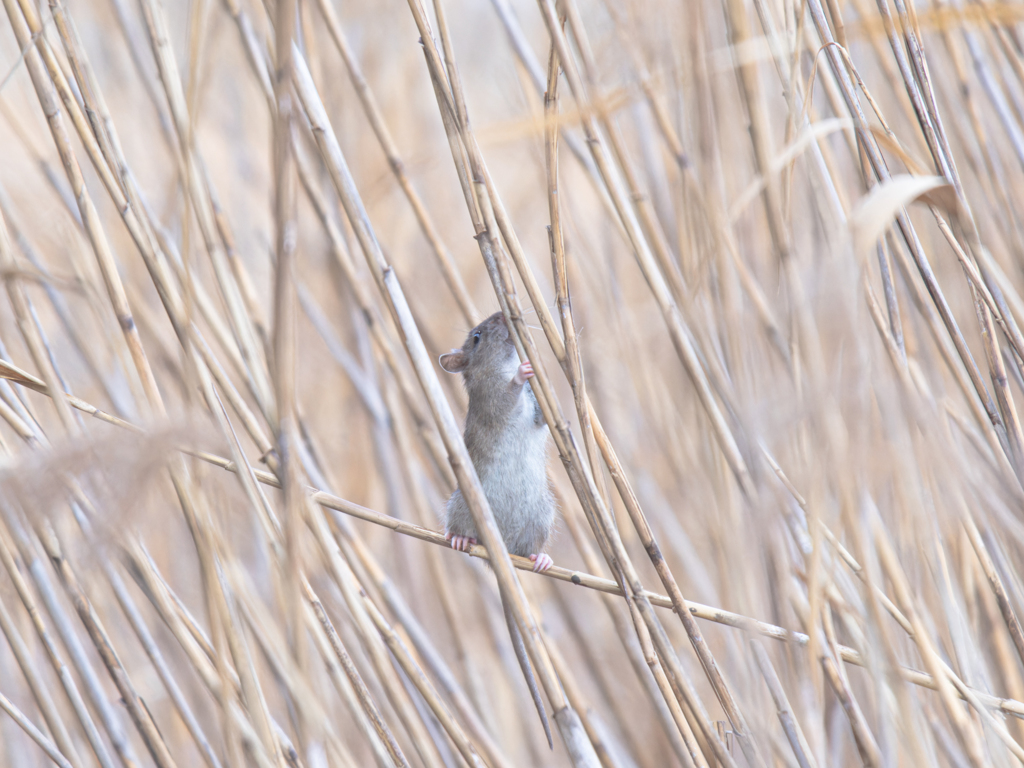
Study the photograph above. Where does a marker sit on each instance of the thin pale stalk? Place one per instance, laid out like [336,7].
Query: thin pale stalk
[34,733]
[375,117]
[794,734]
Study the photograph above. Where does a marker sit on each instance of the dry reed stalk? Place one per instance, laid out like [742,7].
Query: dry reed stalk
[329,501]
[354,678]
[464,471]
[852,475]
[502,284]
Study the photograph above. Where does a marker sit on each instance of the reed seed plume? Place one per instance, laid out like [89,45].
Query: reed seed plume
[119,469]
[769,253]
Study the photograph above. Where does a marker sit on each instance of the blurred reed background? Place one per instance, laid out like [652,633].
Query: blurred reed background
[765,255]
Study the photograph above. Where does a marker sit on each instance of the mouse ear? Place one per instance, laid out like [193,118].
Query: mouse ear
[454,361]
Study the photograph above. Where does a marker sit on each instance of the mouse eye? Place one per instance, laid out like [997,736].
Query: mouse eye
[476,338]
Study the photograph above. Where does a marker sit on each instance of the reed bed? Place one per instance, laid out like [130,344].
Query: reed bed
[765,256]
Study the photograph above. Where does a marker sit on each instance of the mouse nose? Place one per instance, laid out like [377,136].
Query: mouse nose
[503,323]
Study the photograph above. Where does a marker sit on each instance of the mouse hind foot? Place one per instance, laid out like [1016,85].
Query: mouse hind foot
[541,562]
[461,543]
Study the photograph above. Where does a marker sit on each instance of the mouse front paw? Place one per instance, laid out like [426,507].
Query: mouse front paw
[524,372]
[541,562]
[461,543]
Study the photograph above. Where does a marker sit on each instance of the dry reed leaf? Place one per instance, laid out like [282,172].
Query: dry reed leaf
[117,468]
[790,152]
[875,212]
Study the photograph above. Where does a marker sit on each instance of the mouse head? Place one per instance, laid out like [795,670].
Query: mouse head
[488,351]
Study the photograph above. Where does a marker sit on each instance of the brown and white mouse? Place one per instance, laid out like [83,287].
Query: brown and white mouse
[507,440]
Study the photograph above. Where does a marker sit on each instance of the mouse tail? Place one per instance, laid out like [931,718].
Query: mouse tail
[524,664]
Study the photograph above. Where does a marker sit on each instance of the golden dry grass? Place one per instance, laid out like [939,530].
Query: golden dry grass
[766,257]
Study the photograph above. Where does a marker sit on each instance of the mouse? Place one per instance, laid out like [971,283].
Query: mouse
[507,440]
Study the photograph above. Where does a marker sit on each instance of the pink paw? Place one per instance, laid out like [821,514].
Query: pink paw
[541,562]
[525,372]
[461,543]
